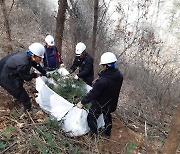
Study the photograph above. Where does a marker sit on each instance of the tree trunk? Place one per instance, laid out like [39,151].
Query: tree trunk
[173,140]
[96,3]
[6,26]
[60,23]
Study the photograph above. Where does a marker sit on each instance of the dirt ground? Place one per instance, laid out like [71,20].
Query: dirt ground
[123,140]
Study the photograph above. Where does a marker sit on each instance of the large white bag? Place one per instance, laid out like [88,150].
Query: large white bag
[74,120]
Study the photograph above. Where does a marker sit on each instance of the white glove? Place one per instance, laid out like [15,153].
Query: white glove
[62,65]
[79,105]
[76,77]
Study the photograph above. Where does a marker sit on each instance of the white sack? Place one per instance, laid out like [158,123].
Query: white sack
[74,120]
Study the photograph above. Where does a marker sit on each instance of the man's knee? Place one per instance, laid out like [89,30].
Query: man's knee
[12,91]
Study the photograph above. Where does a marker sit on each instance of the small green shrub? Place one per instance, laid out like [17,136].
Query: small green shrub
[48,140]
[2,145]
[8,133]
[130,147]
[15,114]
[69,88]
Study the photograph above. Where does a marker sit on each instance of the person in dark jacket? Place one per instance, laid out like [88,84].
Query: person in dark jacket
[15,69]
[85,63]
[52,57]
[104,94]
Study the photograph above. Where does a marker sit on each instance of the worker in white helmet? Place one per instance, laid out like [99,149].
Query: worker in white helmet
[104,94]
[85,63]
[15,69]
[52,57]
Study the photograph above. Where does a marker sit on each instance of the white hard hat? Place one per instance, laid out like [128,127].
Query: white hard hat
[49,40]
[80,47]
[108,58]
[37,49]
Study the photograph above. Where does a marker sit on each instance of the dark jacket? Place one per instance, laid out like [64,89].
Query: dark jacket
[86,70]
[105,91]
[14,69]
[52,58]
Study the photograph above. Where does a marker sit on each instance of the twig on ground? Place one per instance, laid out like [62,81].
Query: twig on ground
[34,124]
[145,127]
[8,148]
[12,120]
[22,116]
[30,117]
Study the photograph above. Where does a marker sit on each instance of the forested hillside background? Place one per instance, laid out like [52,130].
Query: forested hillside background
[144,35]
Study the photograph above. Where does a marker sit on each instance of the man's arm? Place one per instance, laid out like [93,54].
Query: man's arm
[98,88]
[24,74]
[74,66]
[39,68]
[88,67]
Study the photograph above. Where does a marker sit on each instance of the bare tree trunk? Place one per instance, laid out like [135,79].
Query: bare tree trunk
[96,3]
[6,25]
[60,23]
[173,140]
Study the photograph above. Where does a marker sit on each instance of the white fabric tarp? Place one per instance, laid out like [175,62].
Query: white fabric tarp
[74,120]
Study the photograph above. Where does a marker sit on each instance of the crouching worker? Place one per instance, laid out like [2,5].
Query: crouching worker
[104,94]
[15,69]
[84,62]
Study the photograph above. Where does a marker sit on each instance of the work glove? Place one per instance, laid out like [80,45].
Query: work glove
[62,65]
[76,77]
[79,105]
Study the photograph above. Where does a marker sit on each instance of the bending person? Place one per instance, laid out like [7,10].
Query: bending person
[85,63]
[15,69]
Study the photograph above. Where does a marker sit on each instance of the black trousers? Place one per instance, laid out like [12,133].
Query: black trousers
[94,113]
[16,89]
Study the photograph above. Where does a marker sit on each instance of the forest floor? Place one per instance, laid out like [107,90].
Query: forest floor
[122,141]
